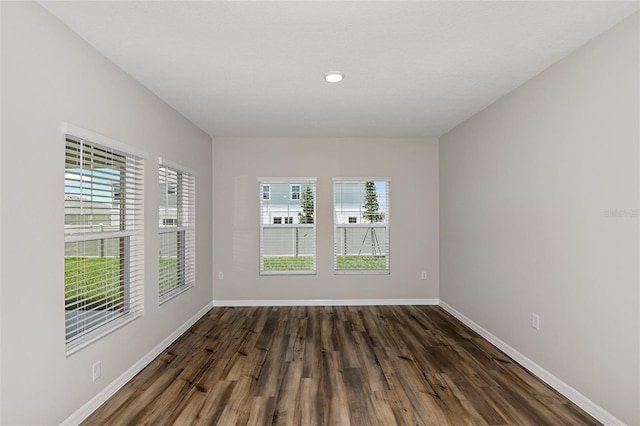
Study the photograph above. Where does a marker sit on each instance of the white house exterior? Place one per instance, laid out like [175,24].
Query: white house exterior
[284,231]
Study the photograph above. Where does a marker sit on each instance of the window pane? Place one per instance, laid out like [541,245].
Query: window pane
[104,243]
[177,248]
[172,268]
[94,181]
[361,223]
[95,283]
[288,249]
[287,234]
[168,202]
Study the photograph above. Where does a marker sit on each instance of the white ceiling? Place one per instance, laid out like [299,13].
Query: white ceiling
[412,69]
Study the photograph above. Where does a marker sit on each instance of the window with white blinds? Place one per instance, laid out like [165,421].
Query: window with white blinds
[361,226]
[103,239]
[177,231]
[287,246]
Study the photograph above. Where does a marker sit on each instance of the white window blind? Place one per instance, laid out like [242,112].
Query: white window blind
[177,231]
[104,241]
[287,246]
[361,226]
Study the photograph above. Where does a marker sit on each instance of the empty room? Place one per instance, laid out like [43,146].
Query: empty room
[320,212]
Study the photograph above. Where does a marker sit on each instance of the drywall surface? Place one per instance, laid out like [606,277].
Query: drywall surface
[410,164]
[539,214]
[51,76]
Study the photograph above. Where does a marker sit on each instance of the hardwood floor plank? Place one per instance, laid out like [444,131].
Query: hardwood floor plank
[358,399]
[287,408]
[236,412]
[311,403]
[334,391]
[383,410]
[216,399]
[335,365]
[373,371]
[262,411]
[270,375]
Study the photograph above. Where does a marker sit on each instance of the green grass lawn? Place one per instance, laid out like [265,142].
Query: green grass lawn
[168,274]
[288,263]
[92,281]
[366,262]
[305,263]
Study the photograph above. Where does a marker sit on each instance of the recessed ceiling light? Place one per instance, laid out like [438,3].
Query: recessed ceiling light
[333,77]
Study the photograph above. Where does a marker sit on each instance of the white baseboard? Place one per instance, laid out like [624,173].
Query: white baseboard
[573,395]
[88,408]
[326,302]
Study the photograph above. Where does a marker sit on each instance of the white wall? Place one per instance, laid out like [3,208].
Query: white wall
[50,76]
[539,213]
[412,166]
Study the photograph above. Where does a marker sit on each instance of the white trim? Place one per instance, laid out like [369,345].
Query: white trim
[83,412]
[326,302]
[576,397]
[291,180]
[164,162]
[361,179]
[361,272]
[289,272]
[91,136]
[102,330]
[171,294]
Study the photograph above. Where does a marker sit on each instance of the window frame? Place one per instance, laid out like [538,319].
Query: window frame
[129,235]
[302,183]
[363,224]
[183,226]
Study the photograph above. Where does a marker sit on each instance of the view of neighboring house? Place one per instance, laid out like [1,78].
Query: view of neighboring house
[286,229]
[281,203]
[356,234]
[168,200]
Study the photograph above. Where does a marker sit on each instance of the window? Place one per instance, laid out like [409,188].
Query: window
[103,238]
[295,192]
[177,230]
[289,247]
[361,226]
[266,192]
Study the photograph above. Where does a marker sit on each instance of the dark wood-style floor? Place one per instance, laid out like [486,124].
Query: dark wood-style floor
[365,365]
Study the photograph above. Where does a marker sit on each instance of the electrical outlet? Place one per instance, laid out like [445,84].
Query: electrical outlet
[423,275]
[535,321]
[220,276]
[96,371]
